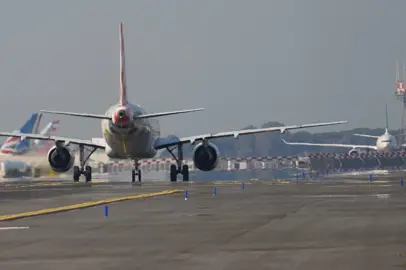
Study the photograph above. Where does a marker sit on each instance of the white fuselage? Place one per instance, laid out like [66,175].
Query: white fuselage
[135,141]
[386,143]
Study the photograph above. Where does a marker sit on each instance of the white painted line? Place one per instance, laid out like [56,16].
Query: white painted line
[331,196]
[13,228]
[383,196]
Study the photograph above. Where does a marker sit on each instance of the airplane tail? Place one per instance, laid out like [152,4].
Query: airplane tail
[14,144]
[123,93]
[386,126]
[123,84]
[386,119]
[48,130]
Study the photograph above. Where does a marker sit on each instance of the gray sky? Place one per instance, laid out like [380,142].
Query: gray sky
[245,62]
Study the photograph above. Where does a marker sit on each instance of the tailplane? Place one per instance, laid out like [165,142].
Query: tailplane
[123,93]
[366,136]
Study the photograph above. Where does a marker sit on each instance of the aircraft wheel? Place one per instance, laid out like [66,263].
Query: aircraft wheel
[139,175]
[173,173]
[88,173]
[185,173]
[76,173]
[133,175]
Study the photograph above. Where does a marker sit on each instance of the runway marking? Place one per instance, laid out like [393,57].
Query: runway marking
[225,183]
[85,205]
[383,196]
[331,196]
[13,228]
[34,190]
[357,185]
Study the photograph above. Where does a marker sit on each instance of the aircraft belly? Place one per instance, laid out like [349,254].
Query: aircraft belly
[130,147]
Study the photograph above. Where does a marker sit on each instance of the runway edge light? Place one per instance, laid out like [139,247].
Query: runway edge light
[106,210]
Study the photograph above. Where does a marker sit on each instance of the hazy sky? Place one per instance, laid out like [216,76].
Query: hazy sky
[245,62]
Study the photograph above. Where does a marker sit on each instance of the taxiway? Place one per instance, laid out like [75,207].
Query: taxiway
[266,225]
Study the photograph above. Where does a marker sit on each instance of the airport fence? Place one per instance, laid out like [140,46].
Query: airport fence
[313,161]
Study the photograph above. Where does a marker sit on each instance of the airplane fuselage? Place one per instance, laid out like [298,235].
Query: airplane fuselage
[133,139]
[386,143]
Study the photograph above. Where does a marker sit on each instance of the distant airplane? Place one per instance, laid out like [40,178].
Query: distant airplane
[132,133]
[384,143]
[41,146]
[11,144]
[21,147]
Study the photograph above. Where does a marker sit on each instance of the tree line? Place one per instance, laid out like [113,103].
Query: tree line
[270,144]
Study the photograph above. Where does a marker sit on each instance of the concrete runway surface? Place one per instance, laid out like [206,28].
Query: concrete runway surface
[266,225]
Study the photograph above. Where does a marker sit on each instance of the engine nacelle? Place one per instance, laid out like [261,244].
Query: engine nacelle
[60,159]
[207,157]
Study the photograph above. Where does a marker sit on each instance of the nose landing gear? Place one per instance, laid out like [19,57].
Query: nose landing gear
[135,172]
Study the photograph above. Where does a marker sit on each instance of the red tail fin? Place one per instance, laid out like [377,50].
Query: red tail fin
[123,85]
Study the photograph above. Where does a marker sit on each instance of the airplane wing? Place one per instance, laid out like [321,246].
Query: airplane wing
[332,145]
[102,116]
[171,141]
[366,136]
[67,141]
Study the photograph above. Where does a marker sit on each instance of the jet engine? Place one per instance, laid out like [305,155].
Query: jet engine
[207,157]
[60,158]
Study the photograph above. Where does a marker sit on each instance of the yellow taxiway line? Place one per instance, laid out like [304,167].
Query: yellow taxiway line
[84,205]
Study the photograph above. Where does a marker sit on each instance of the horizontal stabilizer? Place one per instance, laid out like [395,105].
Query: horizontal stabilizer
[366,136]
[102,116]
[88,115]
[151,115]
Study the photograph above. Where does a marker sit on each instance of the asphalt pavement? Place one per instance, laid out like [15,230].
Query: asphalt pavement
[265,225]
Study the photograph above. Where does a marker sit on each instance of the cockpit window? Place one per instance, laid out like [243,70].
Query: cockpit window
[387,141]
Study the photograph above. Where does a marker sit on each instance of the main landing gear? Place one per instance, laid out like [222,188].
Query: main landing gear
[82,169]
[136,172]
[179,167]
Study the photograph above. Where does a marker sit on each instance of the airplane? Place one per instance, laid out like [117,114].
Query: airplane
[11,143]
[21,147]
[130,132]
[41,146]
[384,143]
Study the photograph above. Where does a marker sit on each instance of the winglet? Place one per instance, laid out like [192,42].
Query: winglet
[123,84]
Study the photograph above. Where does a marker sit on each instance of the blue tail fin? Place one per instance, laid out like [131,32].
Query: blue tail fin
[31,124]
[14,144]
